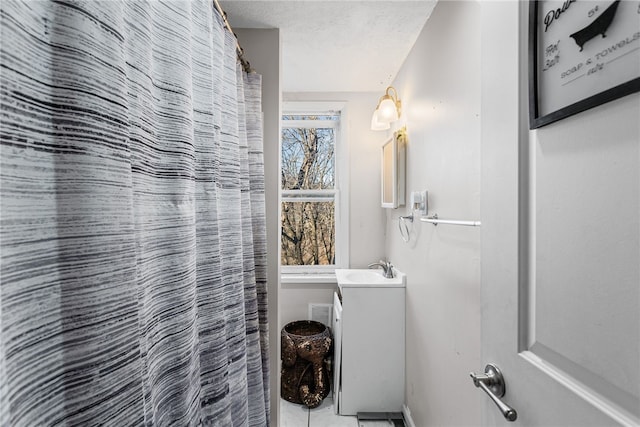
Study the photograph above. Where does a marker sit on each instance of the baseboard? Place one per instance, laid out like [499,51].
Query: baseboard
[406,413]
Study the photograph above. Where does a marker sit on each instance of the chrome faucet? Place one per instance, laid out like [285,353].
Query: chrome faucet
[386,266]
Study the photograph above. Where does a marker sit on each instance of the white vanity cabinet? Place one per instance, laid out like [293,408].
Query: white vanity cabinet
[370,335]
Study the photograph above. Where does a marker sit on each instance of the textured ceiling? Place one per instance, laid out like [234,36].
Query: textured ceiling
[336,46]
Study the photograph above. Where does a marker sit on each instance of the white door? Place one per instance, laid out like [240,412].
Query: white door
[560,246]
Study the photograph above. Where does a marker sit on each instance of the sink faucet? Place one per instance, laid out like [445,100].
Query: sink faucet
[386,266]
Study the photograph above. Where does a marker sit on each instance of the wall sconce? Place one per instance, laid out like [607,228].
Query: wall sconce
[388,110]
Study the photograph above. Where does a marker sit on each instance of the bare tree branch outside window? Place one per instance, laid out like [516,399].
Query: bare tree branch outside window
[308,213]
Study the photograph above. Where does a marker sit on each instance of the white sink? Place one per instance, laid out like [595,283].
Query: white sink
[369,278]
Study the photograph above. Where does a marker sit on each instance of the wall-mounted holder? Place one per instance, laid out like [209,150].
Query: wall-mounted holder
[420,202]
[404,232]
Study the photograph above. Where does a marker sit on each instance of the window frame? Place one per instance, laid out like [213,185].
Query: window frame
[339,194]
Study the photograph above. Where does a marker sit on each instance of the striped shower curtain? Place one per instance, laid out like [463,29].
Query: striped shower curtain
[133,276]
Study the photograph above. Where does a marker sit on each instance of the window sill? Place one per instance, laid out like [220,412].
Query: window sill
[302,278]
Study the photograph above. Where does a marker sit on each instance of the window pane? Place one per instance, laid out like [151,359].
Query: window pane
[308,161]
[312,117]
[308,233]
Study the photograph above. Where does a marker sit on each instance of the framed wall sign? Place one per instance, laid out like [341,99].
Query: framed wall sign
[582,53]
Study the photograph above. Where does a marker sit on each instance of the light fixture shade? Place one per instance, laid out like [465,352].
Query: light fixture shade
[387,111]
[376,124]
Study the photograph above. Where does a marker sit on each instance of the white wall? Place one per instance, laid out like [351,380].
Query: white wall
[366,218]
[262,47]
[439,85]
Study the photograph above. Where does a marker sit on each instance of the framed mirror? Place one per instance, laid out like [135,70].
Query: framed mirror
[393,170]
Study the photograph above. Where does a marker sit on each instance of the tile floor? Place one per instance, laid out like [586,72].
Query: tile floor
[293,415]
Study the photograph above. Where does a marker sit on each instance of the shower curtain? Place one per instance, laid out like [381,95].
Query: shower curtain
[133,239]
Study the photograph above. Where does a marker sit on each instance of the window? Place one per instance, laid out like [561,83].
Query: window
[312,222]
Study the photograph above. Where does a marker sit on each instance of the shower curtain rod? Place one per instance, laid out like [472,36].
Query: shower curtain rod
[245,64]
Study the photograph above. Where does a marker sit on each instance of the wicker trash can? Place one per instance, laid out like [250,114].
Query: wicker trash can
[305,362]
